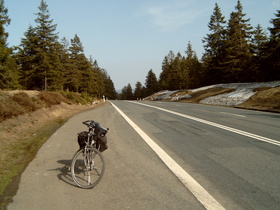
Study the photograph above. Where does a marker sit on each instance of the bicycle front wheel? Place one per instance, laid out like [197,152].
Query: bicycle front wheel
[87,167]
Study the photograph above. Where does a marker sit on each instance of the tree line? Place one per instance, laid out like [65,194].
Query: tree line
[234,52]
[43,62]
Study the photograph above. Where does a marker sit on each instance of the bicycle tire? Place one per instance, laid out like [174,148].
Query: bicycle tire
[87,167]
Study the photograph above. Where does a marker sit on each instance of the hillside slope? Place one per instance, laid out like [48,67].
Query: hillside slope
[263,96]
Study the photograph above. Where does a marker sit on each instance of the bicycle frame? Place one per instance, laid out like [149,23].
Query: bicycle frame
[87,166]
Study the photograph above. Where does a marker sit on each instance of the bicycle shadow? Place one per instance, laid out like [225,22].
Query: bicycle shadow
[64,172]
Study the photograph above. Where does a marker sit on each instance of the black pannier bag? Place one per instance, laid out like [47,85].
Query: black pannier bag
[101,140]
[101,143]
[82,138]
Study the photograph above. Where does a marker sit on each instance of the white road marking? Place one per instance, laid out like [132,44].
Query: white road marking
[198,191]
[244,133]
[237,115]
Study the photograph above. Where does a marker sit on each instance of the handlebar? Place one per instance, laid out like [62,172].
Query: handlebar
[89,123]
[93,124]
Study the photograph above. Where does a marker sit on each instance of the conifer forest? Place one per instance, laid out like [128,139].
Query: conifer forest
[43,62]
[234,51]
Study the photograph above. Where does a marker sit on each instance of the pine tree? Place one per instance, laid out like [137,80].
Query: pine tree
[215,46]
[40,52]
[98,87]
[65,63]
[127,93]
[164,75]
[170,72]
[80,73]
[173,71]
[138,91]
[123,95]
[46,46]
[189,64]
[151,83]
[192,67]
[176,77]
[26,58]
[258,44]
[110,90]
[238,52]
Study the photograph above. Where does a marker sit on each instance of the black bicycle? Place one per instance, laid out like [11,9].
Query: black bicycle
[87,167]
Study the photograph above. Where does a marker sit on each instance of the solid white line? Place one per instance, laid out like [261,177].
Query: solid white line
[244,133]
[198,191]
[237,115]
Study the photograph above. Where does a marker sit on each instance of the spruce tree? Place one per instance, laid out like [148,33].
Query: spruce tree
[192,67]
[40,53]
[46,46]
[98,86]
[176,81]
[215,46]
[170,72]
[26,58]
[151,83]
[164,75]
[238,52]
[110,90]
[80,73]
[138,91]
[258,43]
[129,94]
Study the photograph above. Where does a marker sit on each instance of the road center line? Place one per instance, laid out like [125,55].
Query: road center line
[244,133]
[237,115]
[198,191]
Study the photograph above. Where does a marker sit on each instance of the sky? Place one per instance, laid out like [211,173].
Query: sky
[130,37]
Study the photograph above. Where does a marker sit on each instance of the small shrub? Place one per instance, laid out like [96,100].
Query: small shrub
[75,97]
[25,101]
[86,98]
[51,98]
[70,96]
[9,109]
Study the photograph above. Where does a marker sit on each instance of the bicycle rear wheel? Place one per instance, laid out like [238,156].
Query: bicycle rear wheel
[87,167]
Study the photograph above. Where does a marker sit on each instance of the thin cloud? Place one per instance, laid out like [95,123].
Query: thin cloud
[171,17]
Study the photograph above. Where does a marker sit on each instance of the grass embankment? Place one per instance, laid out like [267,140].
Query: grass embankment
[195,97]
[27,119]
[265,98]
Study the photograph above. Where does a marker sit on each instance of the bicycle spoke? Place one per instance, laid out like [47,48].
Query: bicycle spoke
[87,168]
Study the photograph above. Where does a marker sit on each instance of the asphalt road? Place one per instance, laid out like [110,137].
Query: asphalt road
[233,155]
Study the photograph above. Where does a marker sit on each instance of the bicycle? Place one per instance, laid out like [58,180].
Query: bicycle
[88,166]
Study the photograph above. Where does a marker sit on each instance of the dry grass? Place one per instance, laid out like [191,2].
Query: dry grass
[181,93]
[266,99]
[15,103]
[199,95]
[52,98]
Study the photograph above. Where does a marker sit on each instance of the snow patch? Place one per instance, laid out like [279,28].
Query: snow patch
[243,91]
